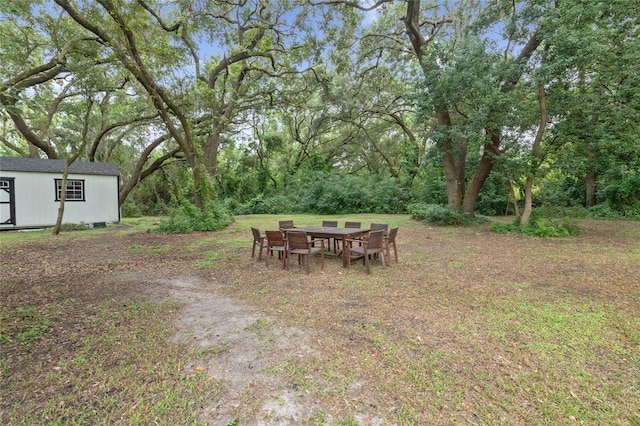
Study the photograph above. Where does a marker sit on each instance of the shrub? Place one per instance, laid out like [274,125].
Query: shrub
[540,227]
[604,211]
[438,215]
[268,204]
[130,209]
[187,218]
[324,193]
[624,196]
[69,227]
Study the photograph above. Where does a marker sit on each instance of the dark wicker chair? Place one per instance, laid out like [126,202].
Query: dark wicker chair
[258,240]
[298,243]
[348,225]
[379,226]
[389,242]
[285,224]
[327,224]
[277,243]
[371,245]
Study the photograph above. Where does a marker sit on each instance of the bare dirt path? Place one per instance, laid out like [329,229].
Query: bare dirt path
[248,346]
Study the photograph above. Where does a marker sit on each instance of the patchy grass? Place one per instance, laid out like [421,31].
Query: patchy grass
[107,364]
[470,327]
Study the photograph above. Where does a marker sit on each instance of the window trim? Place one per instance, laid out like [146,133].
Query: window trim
[68,191]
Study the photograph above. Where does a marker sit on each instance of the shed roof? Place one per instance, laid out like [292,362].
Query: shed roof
[20,164]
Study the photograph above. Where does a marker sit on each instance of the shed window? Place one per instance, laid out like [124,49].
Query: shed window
[74,191]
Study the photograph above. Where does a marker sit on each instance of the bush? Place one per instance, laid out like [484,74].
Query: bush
[438,215]
[325,193]
[604,211]
[130,209]
[188,218]
[268,204]
[624,196]
[540,227]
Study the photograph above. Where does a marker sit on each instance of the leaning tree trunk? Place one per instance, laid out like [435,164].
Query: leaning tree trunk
[536,158]
[453,162]
[514,200]
[63,198]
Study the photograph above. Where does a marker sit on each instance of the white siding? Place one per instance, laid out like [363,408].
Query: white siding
[36,205]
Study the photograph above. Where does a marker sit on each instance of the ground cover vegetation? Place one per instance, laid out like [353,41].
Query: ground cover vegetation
[332,107]
[120,325]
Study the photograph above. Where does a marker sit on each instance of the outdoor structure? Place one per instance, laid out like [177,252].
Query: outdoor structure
[30,190]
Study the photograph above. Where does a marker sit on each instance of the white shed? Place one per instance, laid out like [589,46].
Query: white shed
[30,190]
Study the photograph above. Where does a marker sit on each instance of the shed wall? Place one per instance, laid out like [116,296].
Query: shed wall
[36,205]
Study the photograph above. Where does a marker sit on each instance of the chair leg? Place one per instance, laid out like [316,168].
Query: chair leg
[253,250]
[366,262]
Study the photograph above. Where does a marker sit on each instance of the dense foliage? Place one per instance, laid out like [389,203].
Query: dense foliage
[187,218]
[489,108]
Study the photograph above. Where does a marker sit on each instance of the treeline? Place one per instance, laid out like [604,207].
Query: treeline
[334,107]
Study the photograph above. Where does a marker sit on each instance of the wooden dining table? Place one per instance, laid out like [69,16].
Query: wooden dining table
[330,232]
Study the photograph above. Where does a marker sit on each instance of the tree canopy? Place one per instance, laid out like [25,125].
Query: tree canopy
[263,102]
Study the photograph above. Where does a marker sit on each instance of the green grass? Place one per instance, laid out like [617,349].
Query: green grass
[122,372]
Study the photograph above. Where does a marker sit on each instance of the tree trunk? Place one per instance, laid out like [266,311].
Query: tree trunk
[453,162]
[528,202]
[454,195]
[536,157]
[514,200]
[211,154]
[478,180]
[63,198]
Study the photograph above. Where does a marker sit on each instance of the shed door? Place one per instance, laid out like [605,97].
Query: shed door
[7,201]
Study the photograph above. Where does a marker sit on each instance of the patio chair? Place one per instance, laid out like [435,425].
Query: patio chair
[327,224]
[371,245]
[390,242]
[285,224]
[379,226]
[298,243]
[276,242]
[348,225]
[258,240]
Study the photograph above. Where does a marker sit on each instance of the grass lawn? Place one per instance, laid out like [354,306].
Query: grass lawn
[121,326]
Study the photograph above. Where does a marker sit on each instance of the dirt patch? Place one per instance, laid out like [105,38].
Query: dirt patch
[248,346]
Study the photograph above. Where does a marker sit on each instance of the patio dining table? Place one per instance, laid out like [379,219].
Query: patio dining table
[329,232]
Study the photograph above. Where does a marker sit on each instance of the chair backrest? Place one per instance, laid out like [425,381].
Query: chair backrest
[393,232]
[374,241]
[379,226]
[285,224]
[330,223]
[353,224]
[256,234]
[297,240]
[274,238]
